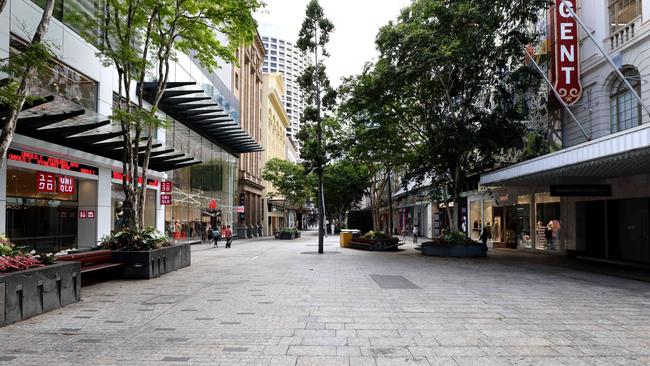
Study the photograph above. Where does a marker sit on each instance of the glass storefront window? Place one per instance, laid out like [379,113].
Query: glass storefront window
[487,217]
[476,223]
[522,218]
[547,218]
[202,194]
[43,221]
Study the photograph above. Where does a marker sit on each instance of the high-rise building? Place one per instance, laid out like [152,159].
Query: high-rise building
[284,57]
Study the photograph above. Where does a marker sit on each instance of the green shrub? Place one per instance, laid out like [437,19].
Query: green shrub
[135,240]
[288,230]
[375,235]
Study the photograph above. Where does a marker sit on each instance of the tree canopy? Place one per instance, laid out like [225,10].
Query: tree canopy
[451,73]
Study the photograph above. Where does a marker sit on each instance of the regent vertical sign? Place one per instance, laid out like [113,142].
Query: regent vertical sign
[566,71]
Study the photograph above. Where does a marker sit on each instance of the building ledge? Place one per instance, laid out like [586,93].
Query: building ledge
[620,154]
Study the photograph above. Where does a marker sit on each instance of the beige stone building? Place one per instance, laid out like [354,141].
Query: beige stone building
[247,87]
[274,124]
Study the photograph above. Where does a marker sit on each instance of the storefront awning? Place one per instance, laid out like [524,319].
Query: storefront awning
[188,103]
[621,154]
[62,122]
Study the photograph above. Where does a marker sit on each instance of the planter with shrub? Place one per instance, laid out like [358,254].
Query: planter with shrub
[32,284]
[146,253]
[454,245]
[287,233]
[375,240]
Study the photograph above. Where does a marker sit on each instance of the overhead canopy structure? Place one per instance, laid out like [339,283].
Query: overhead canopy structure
[188,103]
[59,121]
[621,154]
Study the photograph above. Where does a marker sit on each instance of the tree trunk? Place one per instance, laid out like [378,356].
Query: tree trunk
[390,204]
[26,81]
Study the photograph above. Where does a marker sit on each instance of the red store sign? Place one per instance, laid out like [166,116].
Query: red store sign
[566,60]
[166,186]
[65,184]
[43,160]
[119,175]
[165,199]
[45,182]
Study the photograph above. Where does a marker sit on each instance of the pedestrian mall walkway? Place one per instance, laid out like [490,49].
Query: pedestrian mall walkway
[272,302]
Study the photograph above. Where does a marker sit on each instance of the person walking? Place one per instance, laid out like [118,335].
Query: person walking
[485,235]
[228,234]
[208,233]
[415,234]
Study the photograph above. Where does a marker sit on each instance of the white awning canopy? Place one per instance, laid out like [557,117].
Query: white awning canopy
[616,155]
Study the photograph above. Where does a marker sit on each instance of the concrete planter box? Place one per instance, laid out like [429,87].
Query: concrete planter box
[34,291]
[454,250]
[153,263]
[378,244]
[285,236]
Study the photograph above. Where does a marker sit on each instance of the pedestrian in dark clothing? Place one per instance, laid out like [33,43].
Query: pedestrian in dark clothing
[485,235]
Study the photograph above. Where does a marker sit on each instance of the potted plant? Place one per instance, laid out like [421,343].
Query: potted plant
[287,233]
[454,244]
[146,253]
[32,283]
[375,240]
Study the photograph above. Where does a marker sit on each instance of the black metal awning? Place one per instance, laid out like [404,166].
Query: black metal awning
[62,122]
[188,104]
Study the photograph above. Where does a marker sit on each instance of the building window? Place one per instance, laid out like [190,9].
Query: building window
[625,111]
[623,12]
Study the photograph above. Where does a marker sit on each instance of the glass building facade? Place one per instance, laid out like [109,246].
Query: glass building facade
[202,194]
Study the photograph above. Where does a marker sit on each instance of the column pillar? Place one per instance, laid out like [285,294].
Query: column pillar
[3,195]
[105,213]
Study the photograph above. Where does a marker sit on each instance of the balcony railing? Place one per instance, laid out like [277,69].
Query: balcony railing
[623,35]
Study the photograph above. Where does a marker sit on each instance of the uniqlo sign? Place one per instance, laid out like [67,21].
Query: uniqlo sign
[165,199]
[82,214]
[566,70]
[65,184]
[166,186]
[45,182]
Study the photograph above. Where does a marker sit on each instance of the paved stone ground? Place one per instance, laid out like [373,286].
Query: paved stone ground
[269,302]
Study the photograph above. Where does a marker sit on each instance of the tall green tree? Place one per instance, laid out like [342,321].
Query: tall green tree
[291,182]
[321,98]
[374,137]
[21,73]
[454,68]
[141,39]
[345,184]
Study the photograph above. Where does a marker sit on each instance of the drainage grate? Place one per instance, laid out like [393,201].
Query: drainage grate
[7,358]
[393,282]
[176,359]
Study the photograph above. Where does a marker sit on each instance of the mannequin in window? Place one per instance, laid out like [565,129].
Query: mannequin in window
[118,216]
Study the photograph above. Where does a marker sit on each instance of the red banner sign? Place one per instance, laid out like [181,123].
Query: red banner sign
[165,199]
[45,182]
[566,71]
[65,184]
[119,175]
[212,205]
[166,186]
[43,160]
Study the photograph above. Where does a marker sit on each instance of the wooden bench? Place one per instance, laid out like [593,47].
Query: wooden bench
[95,260]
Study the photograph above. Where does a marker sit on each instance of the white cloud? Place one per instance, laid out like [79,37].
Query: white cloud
[356,24]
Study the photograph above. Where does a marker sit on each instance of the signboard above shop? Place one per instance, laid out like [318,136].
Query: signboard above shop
[566,51]
[50,162]
[581,190]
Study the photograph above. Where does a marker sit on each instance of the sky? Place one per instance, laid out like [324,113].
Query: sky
[356,24]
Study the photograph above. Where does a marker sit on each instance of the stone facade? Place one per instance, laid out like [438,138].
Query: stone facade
[247,87]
